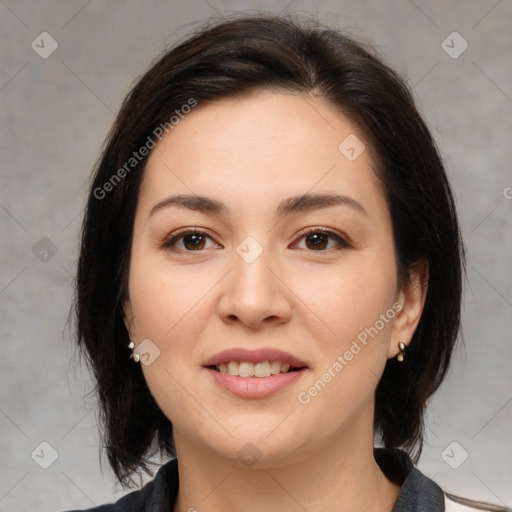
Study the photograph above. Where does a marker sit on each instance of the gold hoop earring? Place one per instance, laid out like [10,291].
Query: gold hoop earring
[400,355]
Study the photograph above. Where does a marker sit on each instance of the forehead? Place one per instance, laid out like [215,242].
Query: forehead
[260,148]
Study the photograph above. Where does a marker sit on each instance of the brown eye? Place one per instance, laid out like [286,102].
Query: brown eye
[191,240]
[318,239]
[194,242]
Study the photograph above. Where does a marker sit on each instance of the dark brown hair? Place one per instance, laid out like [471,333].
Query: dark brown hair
[236,57]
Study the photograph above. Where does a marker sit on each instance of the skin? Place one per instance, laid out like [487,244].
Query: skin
[251,153]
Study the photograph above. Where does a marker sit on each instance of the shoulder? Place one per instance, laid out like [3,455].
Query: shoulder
[135,501]
[458,504]
[158,494]
[420,493]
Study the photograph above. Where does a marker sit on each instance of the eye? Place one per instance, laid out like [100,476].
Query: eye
[317,239]
[192,240]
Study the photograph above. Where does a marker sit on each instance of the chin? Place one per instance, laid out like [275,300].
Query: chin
[260,448]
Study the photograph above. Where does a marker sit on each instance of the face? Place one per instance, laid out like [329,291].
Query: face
[251,280]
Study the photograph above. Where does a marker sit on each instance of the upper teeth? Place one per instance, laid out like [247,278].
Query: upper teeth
[245,369]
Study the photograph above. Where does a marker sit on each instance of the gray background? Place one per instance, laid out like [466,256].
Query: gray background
[55,113]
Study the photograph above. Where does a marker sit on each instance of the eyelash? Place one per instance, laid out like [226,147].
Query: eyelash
[169,243]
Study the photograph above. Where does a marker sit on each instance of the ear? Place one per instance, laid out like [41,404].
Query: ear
[128,318]
[412,300]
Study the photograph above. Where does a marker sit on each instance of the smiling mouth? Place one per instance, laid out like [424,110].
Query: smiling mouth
[261,369]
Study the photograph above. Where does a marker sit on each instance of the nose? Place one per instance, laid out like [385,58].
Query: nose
[255,292]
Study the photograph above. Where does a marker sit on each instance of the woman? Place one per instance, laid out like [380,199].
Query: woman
[270,276]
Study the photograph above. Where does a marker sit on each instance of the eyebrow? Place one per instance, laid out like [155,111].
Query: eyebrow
[292,205]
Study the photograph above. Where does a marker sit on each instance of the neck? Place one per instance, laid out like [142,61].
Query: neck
[343,477]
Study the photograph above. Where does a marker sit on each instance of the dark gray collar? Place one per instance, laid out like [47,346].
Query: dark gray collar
[418,493]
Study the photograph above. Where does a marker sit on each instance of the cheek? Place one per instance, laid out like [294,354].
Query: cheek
[164,300]
[167,309]
[170,308]
[349,299]
[357,307]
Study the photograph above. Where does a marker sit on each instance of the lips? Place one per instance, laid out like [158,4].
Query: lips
[251,387]
[254,357]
